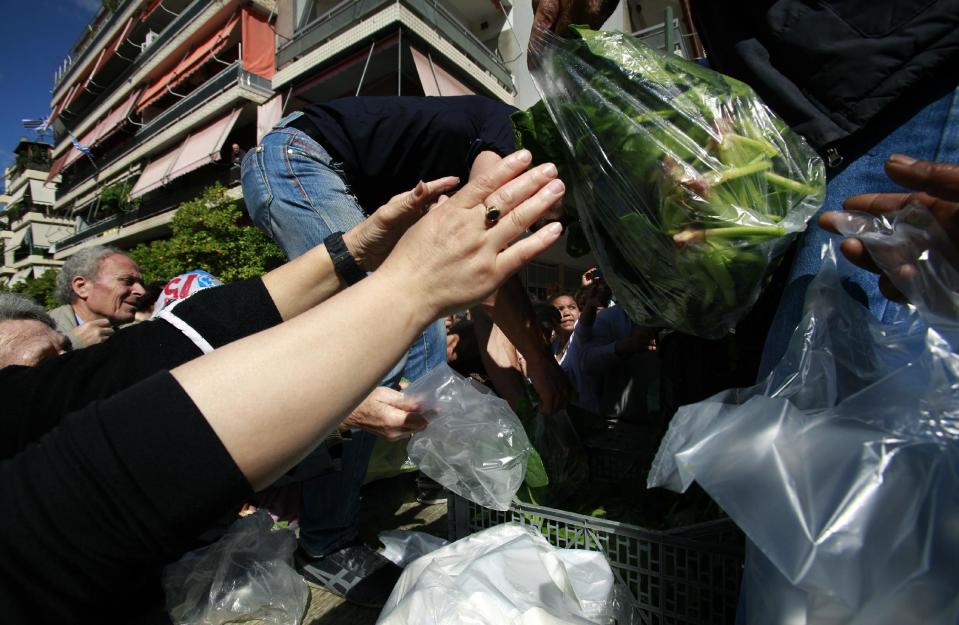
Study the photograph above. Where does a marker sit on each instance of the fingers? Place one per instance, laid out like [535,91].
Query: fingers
[482,186]
[420,198]
[521,252]
[519,189]
[938,179]
[519,219]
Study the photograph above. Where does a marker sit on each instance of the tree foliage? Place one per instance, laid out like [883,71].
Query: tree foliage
[41,290]
[210,232]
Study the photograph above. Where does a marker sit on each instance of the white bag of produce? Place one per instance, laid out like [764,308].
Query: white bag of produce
[504,575]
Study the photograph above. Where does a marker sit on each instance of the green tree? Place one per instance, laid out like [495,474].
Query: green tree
[210,232]
[41,290]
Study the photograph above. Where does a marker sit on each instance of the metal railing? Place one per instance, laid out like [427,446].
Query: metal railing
[185,17]
[231,76]
[97,38]
[348,14]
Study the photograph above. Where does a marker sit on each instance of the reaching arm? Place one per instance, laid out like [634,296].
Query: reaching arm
[305,376]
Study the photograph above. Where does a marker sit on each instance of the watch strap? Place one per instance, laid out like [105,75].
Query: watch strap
[344,264]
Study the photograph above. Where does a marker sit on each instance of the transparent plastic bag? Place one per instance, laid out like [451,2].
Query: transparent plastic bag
[686,186]
[246,575]
[403,546]
[842,467]
[506,574]
[474,444]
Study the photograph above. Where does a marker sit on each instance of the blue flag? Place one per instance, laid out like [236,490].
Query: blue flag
[79,146]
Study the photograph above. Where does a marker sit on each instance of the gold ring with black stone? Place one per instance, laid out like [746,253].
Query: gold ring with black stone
[492,214]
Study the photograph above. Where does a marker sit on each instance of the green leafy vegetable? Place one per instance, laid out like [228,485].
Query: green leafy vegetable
[686,187]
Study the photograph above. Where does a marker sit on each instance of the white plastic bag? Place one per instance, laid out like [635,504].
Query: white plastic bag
[842,467]
[474,444]
[505,574]
[403,546]
[246,575]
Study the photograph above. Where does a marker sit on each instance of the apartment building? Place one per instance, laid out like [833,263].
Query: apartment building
[30,225]
[148,108]
[160,97]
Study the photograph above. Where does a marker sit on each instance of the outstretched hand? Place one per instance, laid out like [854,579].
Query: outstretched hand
[373,240]
[387,413]
[937,186]
[453,257]
[557,15]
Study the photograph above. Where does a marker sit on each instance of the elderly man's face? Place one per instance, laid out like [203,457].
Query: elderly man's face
[115,291]
[28,342]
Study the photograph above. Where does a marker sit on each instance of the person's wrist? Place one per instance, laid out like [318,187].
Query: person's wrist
[414,306]
[353,242]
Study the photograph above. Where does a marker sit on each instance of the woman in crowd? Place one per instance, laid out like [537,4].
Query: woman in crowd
[97,505]
[568,316]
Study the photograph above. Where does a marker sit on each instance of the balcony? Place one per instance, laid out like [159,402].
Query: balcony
[350,13]
[232,76]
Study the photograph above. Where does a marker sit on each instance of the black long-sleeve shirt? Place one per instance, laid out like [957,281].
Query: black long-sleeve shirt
[387,144]
[95,502]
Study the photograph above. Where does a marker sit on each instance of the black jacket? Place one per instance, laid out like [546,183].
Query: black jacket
[842,73]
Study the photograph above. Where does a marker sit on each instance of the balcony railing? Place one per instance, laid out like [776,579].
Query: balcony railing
[109,223]
[348,14]
[96,38]
[231,76]
[179,23]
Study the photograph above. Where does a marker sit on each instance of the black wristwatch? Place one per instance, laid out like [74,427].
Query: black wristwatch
[344,264]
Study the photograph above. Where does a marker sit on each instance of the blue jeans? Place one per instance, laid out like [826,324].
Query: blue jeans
[297,194]
[931,134]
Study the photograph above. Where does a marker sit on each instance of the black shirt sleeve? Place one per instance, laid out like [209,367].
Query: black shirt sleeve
[95,508]
[38,397]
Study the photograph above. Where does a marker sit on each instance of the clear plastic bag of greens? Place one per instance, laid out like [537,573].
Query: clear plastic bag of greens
[687,188]
[473,444]
[842,467]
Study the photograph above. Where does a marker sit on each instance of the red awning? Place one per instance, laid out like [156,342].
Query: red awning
[96,66]
[152,5]
[268,115]
[259,44]
[204,146]
[437,81]
[190,63]
[118,116]
[56,167]
[198,149]
[154,174]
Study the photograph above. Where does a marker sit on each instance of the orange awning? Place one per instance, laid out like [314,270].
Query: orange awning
[198,149]
[435,80]
[188,65]
[259,44]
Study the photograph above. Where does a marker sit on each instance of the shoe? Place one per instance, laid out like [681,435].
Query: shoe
[429,492]
[356,572]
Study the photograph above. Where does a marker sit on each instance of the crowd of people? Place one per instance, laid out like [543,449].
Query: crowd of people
[138,418]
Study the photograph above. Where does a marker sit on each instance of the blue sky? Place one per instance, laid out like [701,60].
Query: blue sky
[35,36]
